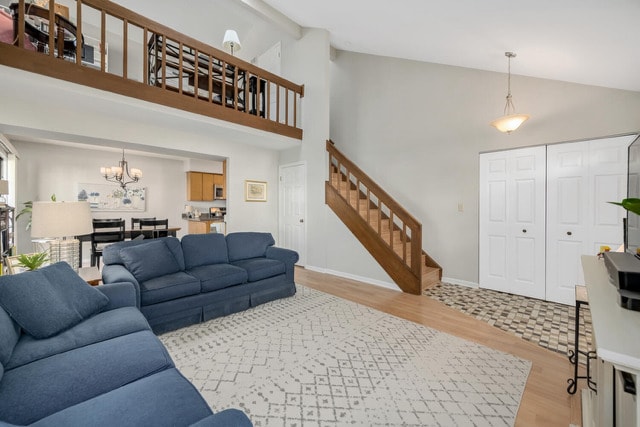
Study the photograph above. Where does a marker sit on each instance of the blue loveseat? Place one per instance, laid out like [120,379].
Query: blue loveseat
[75,355]
[202,276]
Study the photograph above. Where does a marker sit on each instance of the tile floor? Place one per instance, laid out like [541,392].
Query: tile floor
[548,324]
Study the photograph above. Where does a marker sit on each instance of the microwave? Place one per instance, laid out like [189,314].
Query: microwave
[218,192]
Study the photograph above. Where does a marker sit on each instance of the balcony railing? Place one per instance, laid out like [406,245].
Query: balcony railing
[123,52]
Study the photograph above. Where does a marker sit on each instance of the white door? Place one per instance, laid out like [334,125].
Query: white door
[512,221]
[581,178]
[293,187]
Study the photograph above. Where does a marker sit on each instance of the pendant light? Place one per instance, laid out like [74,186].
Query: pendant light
[121,174]
[510,121]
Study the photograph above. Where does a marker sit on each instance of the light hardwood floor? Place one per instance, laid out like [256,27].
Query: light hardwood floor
[545,401]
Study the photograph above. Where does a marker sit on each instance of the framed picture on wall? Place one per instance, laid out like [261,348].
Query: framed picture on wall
[255,191]
[109,197]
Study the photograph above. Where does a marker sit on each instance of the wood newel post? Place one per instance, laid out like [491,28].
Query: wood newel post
[18,30]
[79,32]
[416,251]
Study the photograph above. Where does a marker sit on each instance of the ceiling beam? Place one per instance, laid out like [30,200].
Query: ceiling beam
[267,12]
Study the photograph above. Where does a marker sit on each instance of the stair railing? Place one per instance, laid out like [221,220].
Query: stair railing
[369,197]
[121,48]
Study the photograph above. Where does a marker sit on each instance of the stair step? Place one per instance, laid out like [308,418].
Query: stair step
[430,277]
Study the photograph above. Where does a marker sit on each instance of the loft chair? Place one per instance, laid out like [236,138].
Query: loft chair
[135,227]
[105,231]
[154,228]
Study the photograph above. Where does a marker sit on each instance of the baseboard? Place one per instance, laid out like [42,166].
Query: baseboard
[381,283]
[460,282]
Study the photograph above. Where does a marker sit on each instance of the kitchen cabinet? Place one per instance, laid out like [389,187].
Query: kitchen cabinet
[200,186]
[202,226]
[218,182]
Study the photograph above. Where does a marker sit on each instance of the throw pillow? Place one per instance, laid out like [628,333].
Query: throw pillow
[47,301]
[153,259]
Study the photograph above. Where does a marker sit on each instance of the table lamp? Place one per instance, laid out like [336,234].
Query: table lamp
[58,221]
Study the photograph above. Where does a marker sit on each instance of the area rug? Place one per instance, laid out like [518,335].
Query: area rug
[318,360]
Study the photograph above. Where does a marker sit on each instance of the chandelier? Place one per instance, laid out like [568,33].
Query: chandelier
[510,121]
[121,173]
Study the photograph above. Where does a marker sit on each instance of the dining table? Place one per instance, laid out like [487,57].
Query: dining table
[171,231]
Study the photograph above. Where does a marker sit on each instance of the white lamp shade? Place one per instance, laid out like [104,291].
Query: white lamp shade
[509,123]
[4,187]
[231,40]
[60,219]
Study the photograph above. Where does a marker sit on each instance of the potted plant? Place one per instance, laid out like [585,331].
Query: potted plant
[32,261]
[632,205]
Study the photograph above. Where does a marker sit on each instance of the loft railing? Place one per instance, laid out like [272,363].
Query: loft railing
[392,224]
[124,52]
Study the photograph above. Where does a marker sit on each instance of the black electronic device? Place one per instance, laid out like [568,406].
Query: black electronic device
[623,269]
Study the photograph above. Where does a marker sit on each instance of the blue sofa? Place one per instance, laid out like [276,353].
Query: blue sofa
[76,355]
[202,276]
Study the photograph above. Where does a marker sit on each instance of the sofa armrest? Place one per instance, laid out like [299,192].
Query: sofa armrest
[117,273]
[226,418]
[287,256]
[282,254]
[120,294]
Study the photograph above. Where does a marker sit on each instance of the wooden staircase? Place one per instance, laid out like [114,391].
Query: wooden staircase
[390,233]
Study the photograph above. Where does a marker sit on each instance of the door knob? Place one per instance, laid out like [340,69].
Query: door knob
[568,233]
[301,220]
[524,230]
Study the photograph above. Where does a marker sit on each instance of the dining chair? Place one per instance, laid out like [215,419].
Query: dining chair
[135,227]
[105,231]
[154,228]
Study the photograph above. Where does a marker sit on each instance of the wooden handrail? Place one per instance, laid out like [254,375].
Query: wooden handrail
[246,103]
[382,199]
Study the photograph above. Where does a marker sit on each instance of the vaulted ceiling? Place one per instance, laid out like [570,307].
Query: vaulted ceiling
[594,42]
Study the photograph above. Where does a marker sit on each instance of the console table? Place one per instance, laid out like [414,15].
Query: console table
[616,338]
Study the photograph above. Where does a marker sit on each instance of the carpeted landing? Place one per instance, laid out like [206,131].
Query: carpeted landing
[318,360]
[548,324]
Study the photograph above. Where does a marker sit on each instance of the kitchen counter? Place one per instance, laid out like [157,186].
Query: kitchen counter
[204,217]
[203,224]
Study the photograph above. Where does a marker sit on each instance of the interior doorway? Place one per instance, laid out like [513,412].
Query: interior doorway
[292,209]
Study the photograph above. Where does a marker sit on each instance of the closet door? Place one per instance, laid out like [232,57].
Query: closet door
[512,221]
[581,178]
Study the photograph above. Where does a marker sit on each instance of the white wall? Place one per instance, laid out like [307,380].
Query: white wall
[46,169]
[84,115]
[417,129]
[307,61]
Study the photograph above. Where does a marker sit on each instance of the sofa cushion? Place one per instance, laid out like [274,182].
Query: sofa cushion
[168,287]
[261,268]
[204,249]
[9,335]
[218,276]
[49,300]
[101,327]
[162,399]
[41,388]
[149,261]
[248,244]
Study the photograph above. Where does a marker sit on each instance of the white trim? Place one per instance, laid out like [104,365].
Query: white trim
[350,276]
[460,282]
[306,204]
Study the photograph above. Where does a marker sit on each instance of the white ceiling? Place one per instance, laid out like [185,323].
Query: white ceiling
[594,42]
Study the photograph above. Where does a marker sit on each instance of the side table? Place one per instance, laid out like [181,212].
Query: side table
[581,299]
[91,275]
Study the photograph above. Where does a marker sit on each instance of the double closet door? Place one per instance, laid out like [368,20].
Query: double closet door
[552,210]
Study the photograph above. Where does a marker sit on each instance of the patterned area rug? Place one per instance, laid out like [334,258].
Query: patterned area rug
[548,324]
[315,359]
